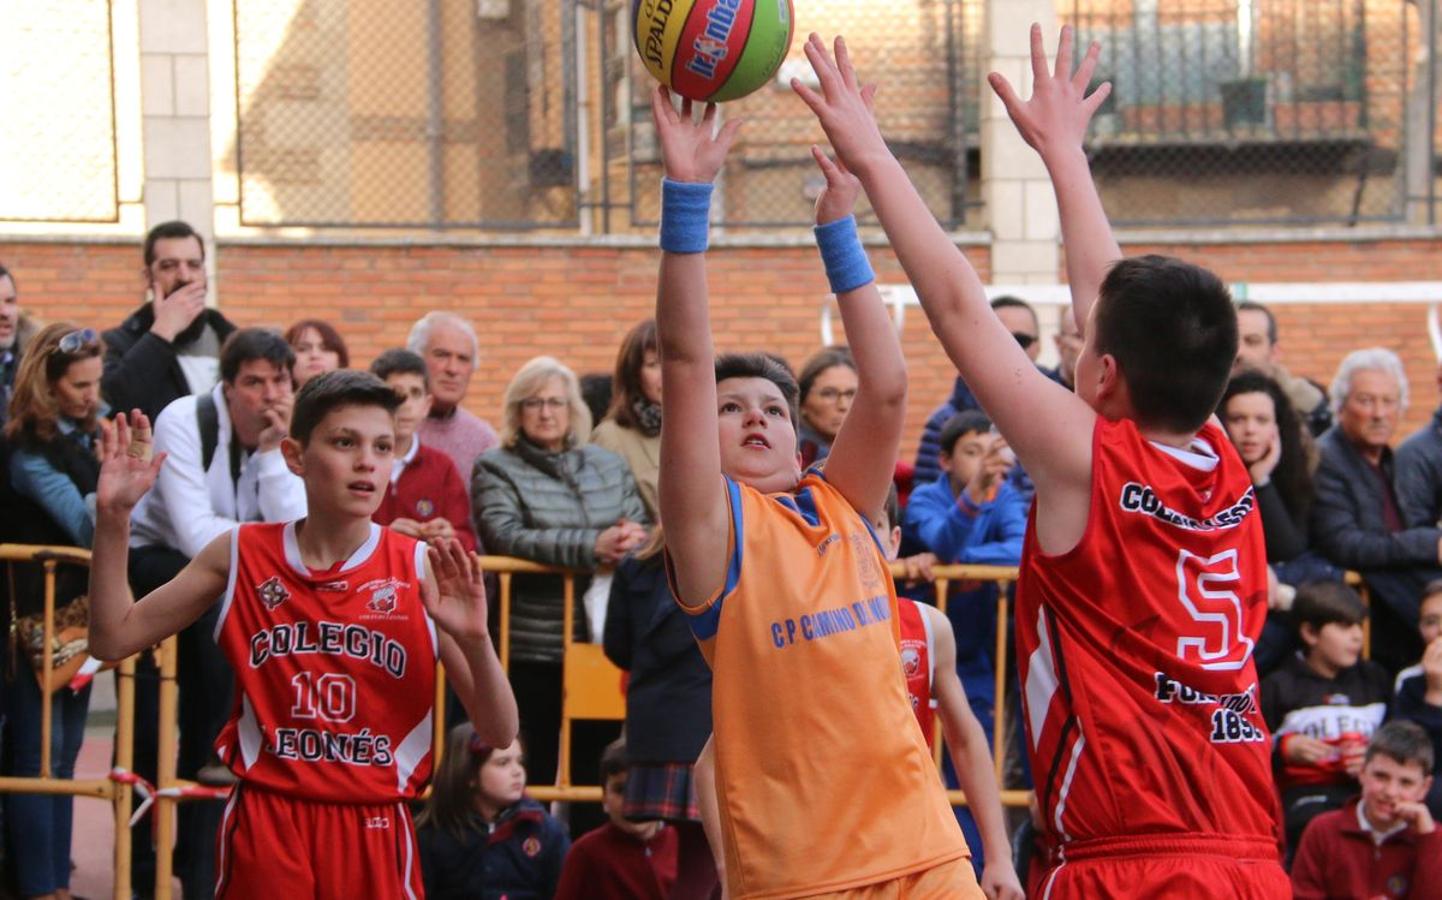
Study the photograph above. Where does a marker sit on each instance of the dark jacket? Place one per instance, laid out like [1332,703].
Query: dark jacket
[1296,699]
[1348,527]
[668,700]
[1285,530]
[519,857]
[549,508]
[141,370]
[1410,703]
[1419,475]
[928,468]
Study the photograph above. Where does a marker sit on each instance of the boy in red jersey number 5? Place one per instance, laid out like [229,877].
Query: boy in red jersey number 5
[331,624]
[824,783]
[1143,578]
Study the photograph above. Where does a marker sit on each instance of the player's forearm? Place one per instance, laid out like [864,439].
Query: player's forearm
[1091,248]
[487,697]
[110,600]
[971,757]
[879,363]
[945,281]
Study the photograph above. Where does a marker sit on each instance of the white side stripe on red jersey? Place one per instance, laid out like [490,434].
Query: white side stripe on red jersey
[248,732]
[403,822]
[1041,681]
[229,595]
[420,580]
[414,748]
[1076,751]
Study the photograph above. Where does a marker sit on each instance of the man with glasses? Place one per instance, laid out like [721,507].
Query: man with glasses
[170,346]
[1020,319]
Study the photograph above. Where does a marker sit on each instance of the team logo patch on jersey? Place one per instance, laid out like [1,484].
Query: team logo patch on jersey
[531,847]
[866,567]
[910,661]
[425,509]
[384,597]
[272,593]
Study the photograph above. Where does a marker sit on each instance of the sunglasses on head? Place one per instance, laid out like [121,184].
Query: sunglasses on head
[1026,340]
[76,341]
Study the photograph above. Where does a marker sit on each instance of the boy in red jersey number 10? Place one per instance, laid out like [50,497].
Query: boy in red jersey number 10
[1143,577]
[333,626]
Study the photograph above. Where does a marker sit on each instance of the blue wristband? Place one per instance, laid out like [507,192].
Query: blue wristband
[847,267]
[685,215]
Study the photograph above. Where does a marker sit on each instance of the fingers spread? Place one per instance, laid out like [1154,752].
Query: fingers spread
[1004,91]
[843,63]
[1083,76]
[1063,54]
[1038,54]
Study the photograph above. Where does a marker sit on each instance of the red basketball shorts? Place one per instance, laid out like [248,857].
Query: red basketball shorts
[273,846]
[1182,868]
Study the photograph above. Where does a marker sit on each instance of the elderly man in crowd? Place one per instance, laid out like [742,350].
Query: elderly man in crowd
[448,344]
[1357,518]
[1258,350]
[223,466]
[170,346]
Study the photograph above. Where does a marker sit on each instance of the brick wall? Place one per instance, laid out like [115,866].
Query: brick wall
[577,302]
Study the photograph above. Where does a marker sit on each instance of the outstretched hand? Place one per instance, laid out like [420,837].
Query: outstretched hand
[844,107]
[127,469]
[837,199]
[691,150]
[1057,115]
[455,595]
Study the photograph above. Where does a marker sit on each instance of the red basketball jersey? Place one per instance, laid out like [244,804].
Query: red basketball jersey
[1135,650]
[335,671]
[918,664]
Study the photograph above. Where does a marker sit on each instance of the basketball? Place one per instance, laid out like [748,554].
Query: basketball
[712,50]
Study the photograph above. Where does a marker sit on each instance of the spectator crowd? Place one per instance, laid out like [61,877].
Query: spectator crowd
[567,476]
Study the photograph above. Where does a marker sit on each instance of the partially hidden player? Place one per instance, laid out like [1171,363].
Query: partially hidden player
[1143,580]
[823,779]
[333,625]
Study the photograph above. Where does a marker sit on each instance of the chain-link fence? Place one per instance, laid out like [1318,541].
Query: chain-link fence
[58,157]
[434,113]
[1255,111]
[926,54]
[522,114]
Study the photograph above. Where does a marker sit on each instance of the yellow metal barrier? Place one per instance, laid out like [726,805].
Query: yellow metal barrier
[117,792]
[591,691]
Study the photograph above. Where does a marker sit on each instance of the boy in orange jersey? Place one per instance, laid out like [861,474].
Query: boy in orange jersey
[824,783]
[333,625]
[1143,579]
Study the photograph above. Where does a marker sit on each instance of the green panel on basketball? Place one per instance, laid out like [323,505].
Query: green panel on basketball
[712,49]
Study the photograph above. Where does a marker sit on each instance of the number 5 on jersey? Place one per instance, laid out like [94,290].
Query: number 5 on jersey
[1205,589]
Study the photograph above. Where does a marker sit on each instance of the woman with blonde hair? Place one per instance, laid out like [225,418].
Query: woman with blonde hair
[548,496]
[54,422]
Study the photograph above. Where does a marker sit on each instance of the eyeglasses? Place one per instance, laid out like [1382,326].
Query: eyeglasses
[831,395]
[76,341]
[555,404]
[1026,340]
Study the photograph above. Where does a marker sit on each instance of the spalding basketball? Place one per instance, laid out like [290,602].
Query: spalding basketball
[712,50]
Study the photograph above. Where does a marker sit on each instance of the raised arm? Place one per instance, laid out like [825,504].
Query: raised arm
[119,626]
[1049,427]
[692,493]
[863,456]
[1054,122]
[454,595]
[971,757]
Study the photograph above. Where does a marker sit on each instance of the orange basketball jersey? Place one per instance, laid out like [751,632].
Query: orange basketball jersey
[824,781]
[335,671]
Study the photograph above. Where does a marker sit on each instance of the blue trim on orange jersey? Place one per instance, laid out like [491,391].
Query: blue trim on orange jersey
[817,470]
[705,623]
